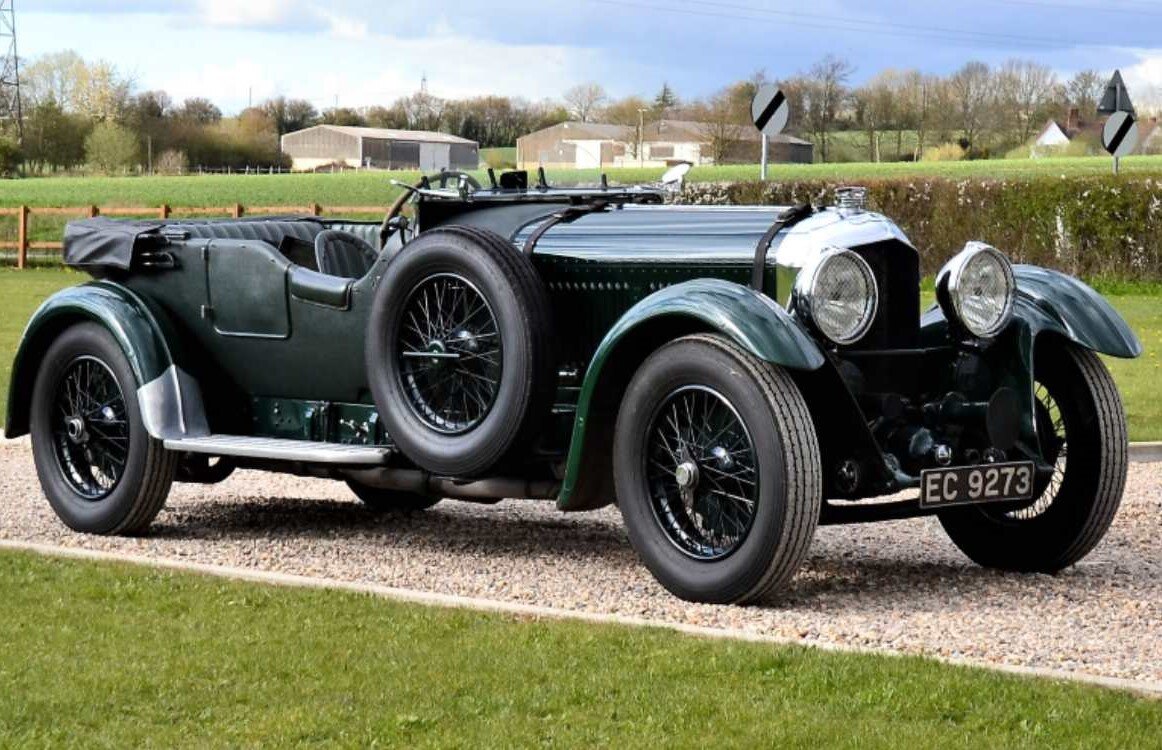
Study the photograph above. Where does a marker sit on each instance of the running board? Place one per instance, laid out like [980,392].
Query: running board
[276,449]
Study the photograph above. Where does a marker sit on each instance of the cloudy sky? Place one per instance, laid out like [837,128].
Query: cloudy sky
[362,52]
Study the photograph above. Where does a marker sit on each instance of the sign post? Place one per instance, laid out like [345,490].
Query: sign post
[770,112]
[1120,134]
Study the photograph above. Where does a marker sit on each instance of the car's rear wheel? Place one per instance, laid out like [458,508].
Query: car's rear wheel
[718,471]
[459,355]
[100,470]
[391,501]
[1081,426]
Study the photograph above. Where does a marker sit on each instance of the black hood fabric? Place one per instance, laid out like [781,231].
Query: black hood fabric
[102,241]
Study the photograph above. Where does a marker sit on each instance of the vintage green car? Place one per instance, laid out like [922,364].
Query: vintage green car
[730,377]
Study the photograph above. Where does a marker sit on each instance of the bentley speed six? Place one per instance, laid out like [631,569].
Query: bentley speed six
[730,377]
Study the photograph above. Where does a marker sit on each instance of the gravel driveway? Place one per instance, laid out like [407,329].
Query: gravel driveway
[900,585]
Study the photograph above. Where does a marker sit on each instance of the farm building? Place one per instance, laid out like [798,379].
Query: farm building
[378,148]
[590,145]
[1056,136]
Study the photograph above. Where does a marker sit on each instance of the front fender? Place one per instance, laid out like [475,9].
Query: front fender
[748,318]
[169,398]
[1052,302]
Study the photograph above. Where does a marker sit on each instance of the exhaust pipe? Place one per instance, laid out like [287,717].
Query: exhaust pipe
[490,489]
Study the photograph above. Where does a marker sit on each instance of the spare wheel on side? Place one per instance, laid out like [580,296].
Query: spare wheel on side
[459,355]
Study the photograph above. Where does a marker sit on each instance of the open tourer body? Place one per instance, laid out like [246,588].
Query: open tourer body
[731,377]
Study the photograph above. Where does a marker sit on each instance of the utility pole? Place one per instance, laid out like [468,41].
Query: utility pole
[11,110]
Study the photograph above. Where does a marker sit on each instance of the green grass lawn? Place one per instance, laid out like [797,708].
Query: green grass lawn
[114,656]
[374,188]
[22,291]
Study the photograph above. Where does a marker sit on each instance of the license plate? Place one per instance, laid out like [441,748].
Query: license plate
[989,483]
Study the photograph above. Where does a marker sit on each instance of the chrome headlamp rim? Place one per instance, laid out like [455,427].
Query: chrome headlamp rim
[948,290]
[803,294]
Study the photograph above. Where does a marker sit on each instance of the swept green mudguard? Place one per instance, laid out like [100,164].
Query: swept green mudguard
[119,310]
[1052,302]
[750,319]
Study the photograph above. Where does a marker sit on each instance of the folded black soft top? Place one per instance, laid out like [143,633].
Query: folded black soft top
[102,241]
[110,243]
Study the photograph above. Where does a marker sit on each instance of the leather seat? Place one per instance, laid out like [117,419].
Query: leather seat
[266,230]
[340,253]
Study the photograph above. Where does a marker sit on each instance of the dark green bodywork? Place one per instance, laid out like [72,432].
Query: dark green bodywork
[277,350]
[127,317]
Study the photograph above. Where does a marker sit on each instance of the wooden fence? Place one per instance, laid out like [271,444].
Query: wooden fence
[24,214]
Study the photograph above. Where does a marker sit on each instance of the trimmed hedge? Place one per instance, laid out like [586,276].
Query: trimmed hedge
[1092,227]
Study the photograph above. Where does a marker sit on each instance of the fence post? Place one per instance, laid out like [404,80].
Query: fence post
[93,211]
[164,212]
[236,212]
[22,238]
[315,209]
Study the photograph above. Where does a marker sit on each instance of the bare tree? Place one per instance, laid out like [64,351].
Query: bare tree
[971,89]
[1084,90]
[583,100]
[721,126]
[877,108]
[1026,90]
[824,93]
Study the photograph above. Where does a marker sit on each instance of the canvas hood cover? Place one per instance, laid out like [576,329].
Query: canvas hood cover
[105,242]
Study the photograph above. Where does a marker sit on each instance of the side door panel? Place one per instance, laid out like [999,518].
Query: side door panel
[246,290]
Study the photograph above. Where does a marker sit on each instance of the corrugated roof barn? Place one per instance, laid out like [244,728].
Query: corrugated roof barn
[378,148]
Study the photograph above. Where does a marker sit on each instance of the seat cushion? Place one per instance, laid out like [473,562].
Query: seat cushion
[343,254]
[267,230]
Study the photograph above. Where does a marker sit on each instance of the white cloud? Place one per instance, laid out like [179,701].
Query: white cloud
[244,13]
[1144,80]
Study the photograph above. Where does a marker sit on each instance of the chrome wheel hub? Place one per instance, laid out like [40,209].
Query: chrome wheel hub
[75,428]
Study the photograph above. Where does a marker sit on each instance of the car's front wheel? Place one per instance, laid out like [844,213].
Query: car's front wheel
[718,471]
[1082,430]
[99,468]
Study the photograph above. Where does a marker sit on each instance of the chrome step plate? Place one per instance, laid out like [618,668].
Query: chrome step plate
[277,449]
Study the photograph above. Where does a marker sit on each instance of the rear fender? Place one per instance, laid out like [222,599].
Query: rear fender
[748,318]
[170,400]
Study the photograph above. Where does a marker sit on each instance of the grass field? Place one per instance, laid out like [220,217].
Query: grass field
[22,291]
[374,188]
[111,656]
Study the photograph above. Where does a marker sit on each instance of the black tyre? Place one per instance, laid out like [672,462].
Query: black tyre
[718,471]
[1082,429]
[101,471]
[391,501]
[459,355]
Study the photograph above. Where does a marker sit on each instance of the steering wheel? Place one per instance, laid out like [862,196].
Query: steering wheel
[390,223]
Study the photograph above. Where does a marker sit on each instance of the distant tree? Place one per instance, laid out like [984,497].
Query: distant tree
[54,139]
[424,111]
[52,78]
[1084,90]
[824,94]
[720,124]
[343,116]
[632,113]
[290,115]
[584,100]
[973,95]
[876,109]
[387,117]
[111,148]
[199,110]
[1025,90]
[665,101]
[10,157]
[102,93]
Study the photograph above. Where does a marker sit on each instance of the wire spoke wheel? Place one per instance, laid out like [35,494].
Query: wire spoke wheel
[701,472]
[450,353]
[90,428]
[1051,427]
